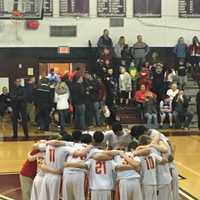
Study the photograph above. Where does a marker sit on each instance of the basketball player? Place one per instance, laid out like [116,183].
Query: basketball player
[148,171]
[128,177]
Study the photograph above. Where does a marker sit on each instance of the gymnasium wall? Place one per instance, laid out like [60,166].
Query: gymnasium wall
[157,32]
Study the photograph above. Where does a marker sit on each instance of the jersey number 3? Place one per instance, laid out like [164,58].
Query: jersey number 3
[52,155]
[100,167]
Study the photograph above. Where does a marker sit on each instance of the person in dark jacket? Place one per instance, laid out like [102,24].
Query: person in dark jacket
[5,102]
[78,99]
[18,103]
[198,107]
[181,114]
[105,41]
[43,102]
[29,91]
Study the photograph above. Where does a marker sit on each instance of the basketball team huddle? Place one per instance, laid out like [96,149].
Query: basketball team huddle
[90,167]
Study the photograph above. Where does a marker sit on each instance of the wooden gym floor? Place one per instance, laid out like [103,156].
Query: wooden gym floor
[13,154]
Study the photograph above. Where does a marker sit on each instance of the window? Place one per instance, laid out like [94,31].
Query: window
[111,8]
[189,8]
[147,8]
[74,7]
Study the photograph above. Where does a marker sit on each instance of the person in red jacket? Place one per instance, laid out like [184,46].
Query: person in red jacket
[28,173]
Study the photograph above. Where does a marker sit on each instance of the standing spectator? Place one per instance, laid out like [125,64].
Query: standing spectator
[173,91]
[166,111]
[53,77]
[125,85]
[180,50]
[194,51]
[126,56]
[111,91]
[105,41]
[134,75]
[139,52]
[181,114]
[182,73]
[18,103]
[158,84]
[62,95]
[150,111]
[198,108]
[5,102]
[43,102]
[29,91]
[118,49]
[78,99]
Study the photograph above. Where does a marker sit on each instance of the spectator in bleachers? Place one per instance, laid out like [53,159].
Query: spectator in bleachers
[5,102]
[180,50]
[105,41]
[158,84]
[194,51]
[126,57]
[44,102]
[78,99]
[173,91]
[150,110]
[154,59]
[29,91]
[198,108]
[181,114]
[118,49]
[111,84]
[182,73]
[125,85]
[134,75]
[170,76]
[62,95]
[166,111]
[139,52]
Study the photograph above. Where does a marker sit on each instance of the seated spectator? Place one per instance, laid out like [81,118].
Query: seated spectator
[118,49]
[61,98]
[5,102]
[154,60]
[150,110]
[139,98]
[173,91]
[105,41]
[166,110]
[103,67]
[125,85]
[181,114]
[53,77]
[182,73]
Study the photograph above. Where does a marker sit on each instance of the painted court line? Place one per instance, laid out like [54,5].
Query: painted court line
[189,169]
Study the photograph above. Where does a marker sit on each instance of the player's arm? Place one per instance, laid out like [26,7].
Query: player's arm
[84,152]
[56,143]
[33,158]
[161,147]
[46,169]
[79,165]
[144,151]
[156,139]
[124,167]
[134,164]
[106,155]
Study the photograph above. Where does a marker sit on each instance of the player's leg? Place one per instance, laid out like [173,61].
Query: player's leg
[123,190]
[36,188]
[78,186]
[99,195]
[149,192]
[175,185]
[67,187]
[165,193]
[136,189]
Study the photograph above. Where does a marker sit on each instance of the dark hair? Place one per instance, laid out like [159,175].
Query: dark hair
[76,135]
[133,145]
[67,137]
[116,127]
[144,140]
[86,138]
[98,137]
[137,131]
